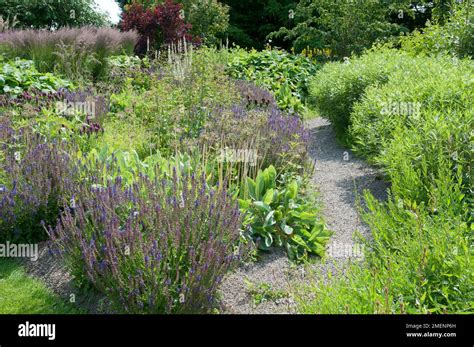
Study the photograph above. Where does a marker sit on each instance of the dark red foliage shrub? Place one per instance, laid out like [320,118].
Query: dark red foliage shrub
[142,20]
[173,27]
[163,24]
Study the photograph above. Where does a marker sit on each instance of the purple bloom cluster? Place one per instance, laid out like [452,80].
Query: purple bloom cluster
[278,138]
[286,132]
[153,247]
[35,97]
[36,181]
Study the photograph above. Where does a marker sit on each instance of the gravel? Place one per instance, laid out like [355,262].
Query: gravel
[340,178]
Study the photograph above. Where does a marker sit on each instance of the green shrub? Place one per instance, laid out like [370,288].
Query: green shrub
[418,262]
[345,27]
[417,125]
[284,74]
[280,217]
[208,19]
[455,37]
[424,111]
[337,86]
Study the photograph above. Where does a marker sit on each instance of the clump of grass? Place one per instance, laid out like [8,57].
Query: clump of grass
[74,52]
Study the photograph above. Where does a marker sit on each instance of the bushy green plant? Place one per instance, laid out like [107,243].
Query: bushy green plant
[278,216]
[418,126]
[209,19]
[418,261]
[53,14]
[345,27]
[17,76]
[455,37]
[337,86]
[423,111]
[174,108]
[284,74]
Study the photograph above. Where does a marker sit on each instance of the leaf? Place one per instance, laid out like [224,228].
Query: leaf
[270,179]
[292,190]
[260,187]
[269,195]
[260,205]
[308,217]
[251,188]
[244,204]
[269,220]
[268,240]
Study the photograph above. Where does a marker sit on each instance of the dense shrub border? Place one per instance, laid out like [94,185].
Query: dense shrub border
[420,258]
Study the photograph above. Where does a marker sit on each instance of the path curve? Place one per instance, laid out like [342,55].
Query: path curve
[340,178]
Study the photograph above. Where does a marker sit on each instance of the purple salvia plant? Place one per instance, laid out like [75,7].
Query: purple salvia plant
[37,180]
[155,246]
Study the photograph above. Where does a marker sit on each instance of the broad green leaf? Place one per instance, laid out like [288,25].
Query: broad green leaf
[259,187]
[268,198]
[260,205]
[251,188]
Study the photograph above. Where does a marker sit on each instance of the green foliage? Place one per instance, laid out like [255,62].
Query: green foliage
[17,76]
[264,292]
[455,37]
[423,111]
[345,27]
[284,74]
[129,166]
[336,87]
[416,122]
[52,13]
[22,294]
[279,217]
[209,19]
[251,21]
[427,87]
[125,62]
[173,111]
[419,262]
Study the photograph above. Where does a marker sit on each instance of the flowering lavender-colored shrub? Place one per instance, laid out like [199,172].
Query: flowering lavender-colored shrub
[153,247]
[36,180]
[277,138]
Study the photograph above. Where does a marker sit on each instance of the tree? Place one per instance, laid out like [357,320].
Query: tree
[252,20]
[156,25]
[209,19]
[52,13]
[347,27]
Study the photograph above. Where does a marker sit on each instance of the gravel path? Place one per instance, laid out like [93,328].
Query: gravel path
[264,287]
[340,177]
